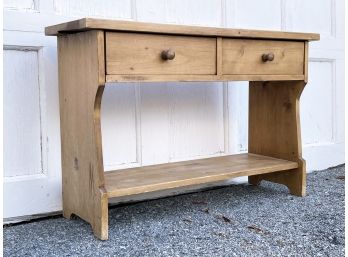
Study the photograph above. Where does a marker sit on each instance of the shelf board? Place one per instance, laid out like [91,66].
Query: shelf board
[180,174]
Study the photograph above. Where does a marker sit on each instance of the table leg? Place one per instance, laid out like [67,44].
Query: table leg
[274,130]
[80,95]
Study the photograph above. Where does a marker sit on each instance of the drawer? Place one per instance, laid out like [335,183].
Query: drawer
[261,57]
[142,54]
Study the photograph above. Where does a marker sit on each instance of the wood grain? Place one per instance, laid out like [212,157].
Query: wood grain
[190,78]
[305,61]
[274,123]
[81,63]
[274,129]
[132,53]
[119,25]
[244,56]
[173,175]
[219,56]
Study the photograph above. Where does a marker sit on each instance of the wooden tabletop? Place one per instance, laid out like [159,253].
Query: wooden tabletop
[131,26]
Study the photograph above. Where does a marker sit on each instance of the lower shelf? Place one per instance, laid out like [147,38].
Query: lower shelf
[179,174]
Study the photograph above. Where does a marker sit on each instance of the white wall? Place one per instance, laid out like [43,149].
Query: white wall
[154,123]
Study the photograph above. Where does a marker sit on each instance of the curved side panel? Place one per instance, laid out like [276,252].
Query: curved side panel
[80,93]
[98,134]
[274,130]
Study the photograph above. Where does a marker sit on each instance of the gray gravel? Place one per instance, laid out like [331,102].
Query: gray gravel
[239,220]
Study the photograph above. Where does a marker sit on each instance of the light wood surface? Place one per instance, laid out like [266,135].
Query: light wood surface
[219,56]
[244,56]
[274,129]
[171,175]
[305,62]
[118,25]
[278,70]
[132,53]
[192,78]
[81,69]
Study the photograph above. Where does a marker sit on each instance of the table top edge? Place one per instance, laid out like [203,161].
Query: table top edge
[86,24]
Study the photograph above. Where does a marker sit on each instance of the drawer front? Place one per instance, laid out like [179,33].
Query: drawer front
[144,54]
[245,56]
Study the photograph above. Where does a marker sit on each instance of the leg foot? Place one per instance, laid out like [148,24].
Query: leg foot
[295,180]
[67,214]
[100,230]
[100,218]
[254,180]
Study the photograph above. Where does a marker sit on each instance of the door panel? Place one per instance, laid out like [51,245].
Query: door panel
[155,126]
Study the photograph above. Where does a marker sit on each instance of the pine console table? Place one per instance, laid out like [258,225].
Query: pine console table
[92,52]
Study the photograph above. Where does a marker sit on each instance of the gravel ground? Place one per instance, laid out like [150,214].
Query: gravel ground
[239,220]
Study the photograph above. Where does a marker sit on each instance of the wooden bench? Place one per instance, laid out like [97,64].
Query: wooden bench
[92,52]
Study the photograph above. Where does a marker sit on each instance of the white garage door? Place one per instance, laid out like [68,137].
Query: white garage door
[160,122]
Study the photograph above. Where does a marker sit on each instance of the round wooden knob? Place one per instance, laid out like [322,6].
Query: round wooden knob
[268,57]
[168,55]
